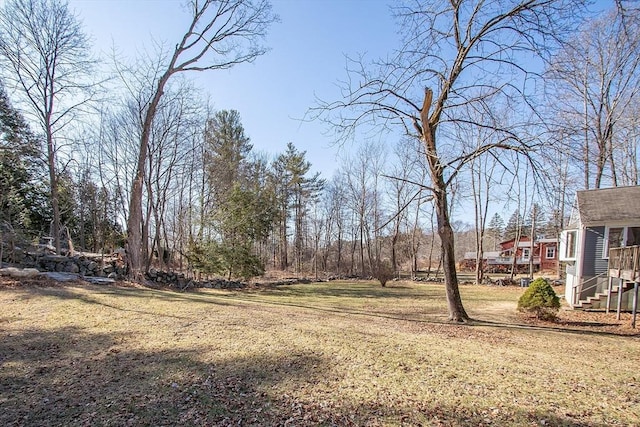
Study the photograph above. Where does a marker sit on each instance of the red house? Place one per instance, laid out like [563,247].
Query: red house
[544,255]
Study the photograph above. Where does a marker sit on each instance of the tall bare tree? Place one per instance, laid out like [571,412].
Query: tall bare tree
[597,79]
[336,201]
[457,57]
[482,176]
[45,56]
[403,190]
[362,172]
[221,34]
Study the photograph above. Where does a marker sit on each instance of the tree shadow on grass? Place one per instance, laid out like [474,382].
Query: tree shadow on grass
[339,289]
[562,327]
[69,377]
[427,315]
[78,292]
[235,299]
[418,413]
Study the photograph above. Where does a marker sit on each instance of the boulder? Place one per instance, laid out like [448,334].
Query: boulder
[60,276]
[71,267]
[19,272]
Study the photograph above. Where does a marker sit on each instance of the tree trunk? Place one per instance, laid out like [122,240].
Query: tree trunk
[361,244]
[339,255]
[53,179]
[394,256]
[352,268]
[532,240]
[514,262]
[479,262]
[457,312]
[284,249]
[135,256]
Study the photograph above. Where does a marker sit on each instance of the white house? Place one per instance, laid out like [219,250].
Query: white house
[601,219]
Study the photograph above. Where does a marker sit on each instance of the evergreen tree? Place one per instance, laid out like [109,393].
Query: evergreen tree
[244,219]
[226,153]
[514,227]
[23,198]
[495,229]
[536,216]
[552,227]
[294,190]
[96,228]
[243,211]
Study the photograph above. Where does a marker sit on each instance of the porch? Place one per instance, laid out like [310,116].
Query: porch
[623,274]
[624,265]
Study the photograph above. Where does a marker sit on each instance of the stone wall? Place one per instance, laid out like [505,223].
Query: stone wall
[113,267]
[90,265]
[83,265]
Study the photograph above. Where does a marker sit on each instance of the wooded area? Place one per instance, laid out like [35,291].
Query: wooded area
[485,107]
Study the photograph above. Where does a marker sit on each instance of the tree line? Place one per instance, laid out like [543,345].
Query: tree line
[484,107]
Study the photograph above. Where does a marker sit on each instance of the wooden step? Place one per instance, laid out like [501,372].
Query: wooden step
[600,298]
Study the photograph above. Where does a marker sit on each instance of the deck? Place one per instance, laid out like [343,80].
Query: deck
[624,264]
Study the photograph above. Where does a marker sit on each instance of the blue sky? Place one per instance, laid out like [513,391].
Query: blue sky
[307,58]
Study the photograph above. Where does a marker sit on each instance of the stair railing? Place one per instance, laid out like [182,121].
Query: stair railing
[624,258]
[579,288]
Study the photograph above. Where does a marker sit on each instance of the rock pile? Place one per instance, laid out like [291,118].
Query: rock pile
[83,265]
[180,281]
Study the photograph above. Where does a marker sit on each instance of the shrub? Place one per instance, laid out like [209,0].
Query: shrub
[540,299]
[383,272]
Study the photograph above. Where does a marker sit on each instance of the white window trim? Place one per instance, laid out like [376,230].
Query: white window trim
[564,245]
[605,244]
[526,253]
[553,250]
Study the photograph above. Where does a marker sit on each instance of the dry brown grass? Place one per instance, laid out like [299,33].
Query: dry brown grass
[335,353]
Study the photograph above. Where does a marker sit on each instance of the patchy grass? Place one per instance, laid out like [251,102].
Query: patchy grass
[340,353]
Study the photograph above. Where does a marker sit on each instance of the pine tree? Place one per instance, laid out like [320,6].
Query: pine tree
[294,191]
[495,229]
[514,227]
[226,153]
[244,208]
[23,199]
[536,216]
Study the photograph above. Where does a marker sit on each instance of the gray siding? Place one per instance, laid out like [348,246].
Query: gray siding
[593,263]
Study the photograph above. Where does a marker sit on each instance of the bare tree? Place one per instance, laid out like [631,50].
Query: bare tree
[178,123]
[485,173]
[482,174]
[402,192]
[457,58]
[362,173]
[597,78]
[221,34]
[46,58]
[627,156]
[336,206]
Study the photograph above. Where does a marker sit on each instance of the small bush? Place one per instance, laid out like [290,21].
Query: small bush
[540,299]
[383,272]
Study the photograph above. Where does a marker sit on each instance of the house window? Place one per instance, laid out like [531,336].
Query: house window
[551,252]
[616,237]
[570,244]
[525,253]
[633,236]
[613,238]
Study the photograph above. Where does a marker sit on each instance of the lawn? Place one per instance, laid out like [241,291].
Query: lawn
[338,353]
